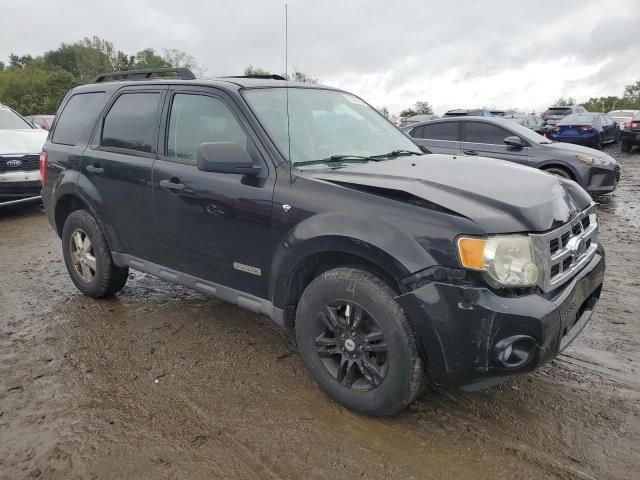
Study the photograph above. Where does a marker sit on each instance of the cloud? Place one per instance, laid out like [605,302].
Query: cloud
[457,54]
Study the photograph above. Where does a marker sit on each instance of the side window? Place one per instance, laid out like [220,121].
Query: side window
[417,132]
[132,122]
[442,131]
[79,113]
[197,119]
[479,132]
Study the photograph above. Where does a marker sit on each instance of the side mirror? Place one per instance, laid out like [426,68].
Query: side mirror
[514,141]
[225,157]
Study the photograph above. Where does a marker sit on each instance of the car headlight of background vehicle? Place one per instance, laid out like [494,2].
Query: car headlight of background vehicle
[508,260]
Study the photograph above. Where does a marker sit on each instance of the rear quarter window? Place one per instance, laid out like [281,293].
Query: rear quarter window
[80,113]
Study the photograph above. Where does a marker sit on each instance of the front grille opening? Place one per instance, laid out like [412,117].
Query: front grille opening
[577,228]
[566,263]
[554,245]
[565,238]
[586,221]
[555,270]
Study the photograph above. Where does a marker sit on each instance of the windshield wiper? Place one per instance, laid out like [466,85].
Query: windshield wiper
[397,153]
[338,159]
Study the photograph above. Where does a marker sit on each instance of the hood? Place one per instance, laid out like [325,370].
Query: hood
[22,142]
[499,196]
[569,149]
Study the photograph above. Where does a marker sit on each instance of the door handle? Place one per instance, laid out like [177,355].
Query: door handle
[173,184]
[470,152]
[97,169]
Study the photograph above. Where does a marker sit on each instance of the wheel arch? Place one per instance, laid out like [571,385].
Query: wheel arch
[564,166]
[316,256]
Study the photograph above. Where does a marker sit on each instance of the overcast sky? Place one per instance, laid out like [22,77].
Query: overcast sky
[391,53]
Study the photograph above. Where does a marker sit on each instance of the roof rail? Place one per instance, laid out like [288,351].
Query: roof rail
[263,77]
[182,72]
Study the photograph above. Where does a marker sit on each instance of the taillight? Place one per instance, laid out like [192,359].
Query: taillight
[586,129]
[635,124]
[44,157]
[556,129]
[627,125]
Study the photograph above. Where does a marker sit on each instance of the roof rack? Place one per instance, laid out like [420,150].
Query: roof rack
[263,77]
[182,72]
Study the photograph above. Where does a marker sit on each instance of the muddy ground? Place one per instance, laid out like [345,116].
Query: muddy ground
[162,383]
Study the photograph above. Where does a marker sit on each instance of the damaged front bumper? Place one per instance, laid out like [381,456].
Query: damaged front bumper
[465,331]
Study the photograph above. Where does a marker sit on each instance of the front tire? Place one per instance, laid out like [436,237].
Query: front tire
[599,143]
[88,257]
[559,171]
[357,343]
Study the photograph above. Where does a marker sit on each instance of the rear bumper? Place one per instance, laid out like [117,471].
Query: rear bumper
[630,137]
[586,141]
[462,328]
[18,185]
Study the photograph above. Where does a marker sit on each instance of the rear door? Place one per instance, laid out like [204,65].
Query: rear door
[485,139]
[118,164]
[438,137]
[214,226]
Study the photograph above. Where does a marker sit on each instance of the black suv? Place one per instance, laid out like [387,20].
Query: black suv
[303,203]
[630,134]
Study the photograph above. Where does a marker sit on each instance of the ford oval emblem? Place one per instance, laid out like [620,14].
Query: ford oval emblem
[14,163]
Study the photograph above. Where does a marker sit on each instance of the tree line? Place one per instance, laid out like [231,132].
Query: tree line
[36,85]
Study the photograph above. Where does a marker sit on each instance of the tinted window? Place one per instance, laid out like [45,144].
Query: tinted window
[132,122]
[478,132]
[79,113]
[197,119]
[559,111]
[441,131]
[417,132]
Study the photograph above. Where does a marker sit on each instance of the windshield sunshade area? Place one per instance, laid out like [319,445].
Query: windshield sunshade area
[9,120]
[325,126]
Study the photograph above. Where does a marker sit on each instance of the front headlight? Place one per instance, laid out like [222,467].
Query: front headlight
[508,260]
[589,160]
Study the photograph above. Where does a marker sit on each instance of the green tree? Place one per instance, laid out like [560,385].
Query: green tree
[148,58]
[604,104]
[34,88]
[296,76]
[252,71]
[632,95]
[419,108]
[565,102]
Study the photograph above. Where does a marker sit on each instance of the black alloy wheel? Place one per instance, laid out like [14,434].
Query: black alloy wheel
[351,345]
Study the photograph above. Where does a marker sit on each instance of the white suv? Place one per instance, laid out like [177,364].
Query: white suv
[20,147]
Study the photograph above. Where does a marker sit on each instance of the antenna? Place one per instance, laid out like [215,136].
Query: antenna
[286,75]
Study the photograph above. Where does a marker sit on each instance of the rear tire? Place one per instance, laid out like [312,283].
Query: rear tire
[357,343]
[88,257]
[599,143]
[560,172]
[625,147]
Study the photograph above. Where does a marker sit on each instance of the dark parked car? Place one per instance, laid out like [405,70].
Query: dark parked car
[590,129]
[594,171]
[388,265]
[556,113]
[630,134]
[532,122]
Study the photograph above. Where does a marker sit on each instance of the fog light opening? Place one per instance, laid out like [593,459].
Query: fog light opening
[514,352]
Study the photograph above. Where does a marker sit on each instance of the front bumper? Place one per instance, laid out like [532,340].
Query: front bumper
[459,326]
[603,179]
[17,185]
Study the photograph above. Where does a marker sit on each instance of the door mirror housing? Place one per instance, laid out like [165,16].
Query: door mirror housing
[225,157]
[514,141]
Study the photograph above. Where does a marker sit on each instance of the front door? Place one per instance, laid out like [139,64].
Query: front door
[487,140]
[118,164]
[214,226]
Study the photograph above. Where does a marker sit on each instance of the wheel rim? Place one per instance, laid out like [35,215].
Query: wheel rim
[351,346]
[558,173]
[82,256]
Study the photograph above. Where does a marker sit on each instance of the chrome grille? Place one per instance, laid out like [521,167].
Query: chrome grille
[562,252]
[19,163]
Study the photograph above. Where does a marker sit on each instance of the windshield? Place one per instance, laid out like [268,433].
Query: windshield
[10,120]
[621,113]
[324,124]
